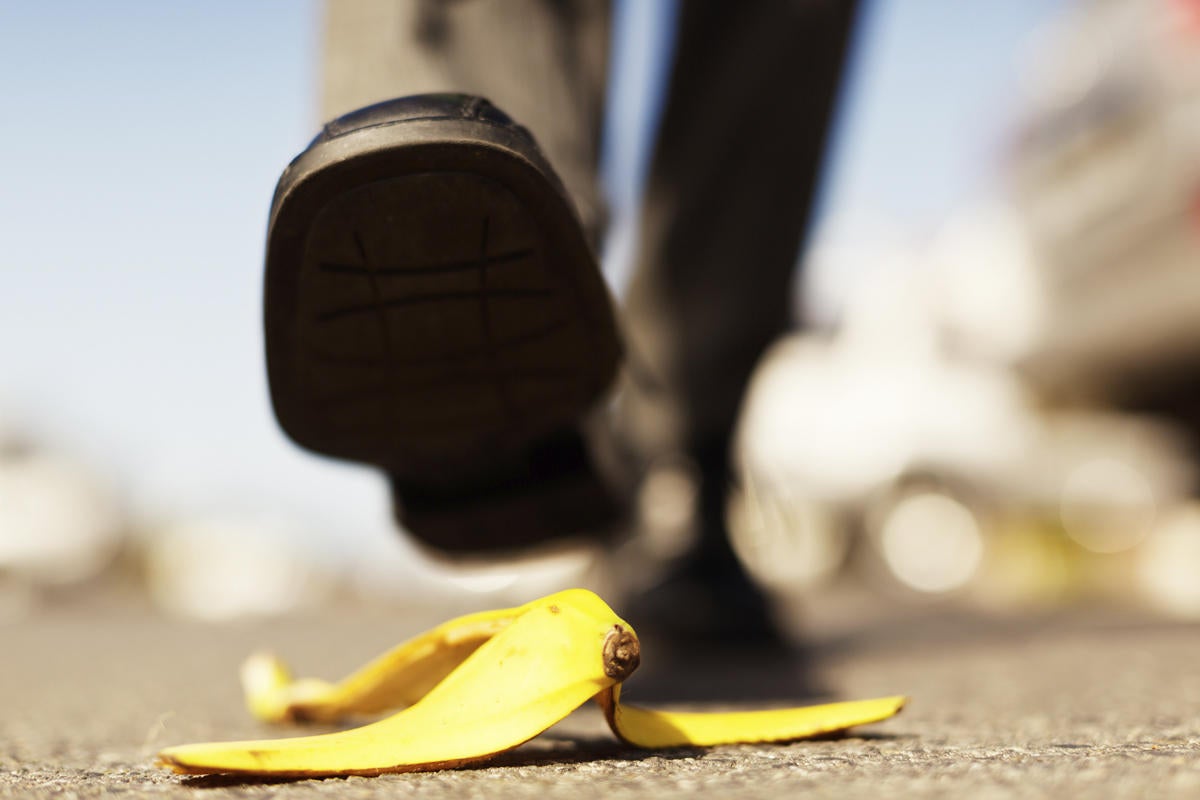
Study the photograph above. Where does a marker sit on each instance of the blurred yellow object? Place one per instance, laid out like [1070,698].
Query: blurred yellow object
[482,684]
[1031,563]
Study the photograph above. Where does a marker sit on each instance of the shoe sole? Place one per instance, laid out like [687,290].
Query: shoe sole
[431,304]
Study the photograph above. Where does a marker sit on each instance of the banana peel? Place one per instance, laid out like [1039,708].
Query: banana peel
[479,685]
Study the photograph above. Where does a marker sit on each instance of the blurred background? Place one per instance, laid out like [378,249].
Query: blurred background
[990,406]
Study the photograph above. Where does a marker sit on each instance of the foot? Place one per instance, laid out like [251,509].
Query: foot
[433,308]
[705,596]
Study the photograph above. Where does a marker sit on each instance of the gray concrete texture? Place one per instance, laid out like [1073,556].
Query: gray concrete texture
[1071,707]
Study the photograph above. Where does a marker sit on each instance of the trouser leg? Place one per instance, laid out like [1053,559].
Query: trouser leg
[730,191]
[729,194]
[544,62]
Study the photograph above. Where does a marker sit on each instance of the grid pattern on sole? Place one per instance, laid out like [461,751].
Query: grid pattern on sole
[430,319]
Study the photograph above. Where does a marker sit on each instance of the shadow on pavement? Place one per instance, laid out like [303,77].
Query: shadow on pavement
[542,752]
[724,673]
[578,750]
[235,781]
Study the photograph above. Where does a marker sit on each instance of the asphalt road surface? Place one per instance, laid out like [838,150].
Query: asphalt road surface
[1069,707]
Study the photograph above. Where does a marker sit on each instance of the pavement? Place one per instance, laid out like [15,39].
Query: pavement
[1076,705]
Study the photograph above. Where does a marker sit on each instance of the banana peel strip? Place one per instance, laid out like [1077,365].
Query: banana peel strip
[479,685]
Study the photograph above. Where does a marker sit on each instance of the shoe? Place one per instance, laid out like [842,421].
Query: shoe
[705,596]
[433,308]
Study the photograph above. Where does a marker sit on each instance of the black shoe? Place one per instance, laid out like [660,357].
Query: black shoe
[706,597]
[433,308]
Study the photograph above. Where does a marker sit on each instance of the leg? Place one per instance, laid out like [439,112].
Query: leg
[729,195]
[433,306]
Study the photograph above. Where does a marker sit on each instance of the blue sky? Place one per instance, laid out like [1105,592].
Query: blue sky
[925,111]
[139,145]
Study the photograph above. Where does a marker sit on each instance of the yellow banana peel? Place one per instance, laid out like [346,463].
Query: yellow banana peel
[479,685]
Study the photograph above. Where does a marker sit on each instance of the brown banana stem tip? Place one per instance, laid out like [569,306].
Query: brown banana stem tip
[622,653]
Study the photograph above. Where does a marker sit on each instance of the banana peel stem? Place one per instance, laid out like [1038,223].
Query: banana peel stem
[480,685]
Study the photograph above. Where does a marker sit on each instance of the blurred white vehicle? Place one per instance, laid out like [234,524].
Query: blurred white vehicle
[972,377]
[879,430]
[220,568]
[59,523]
